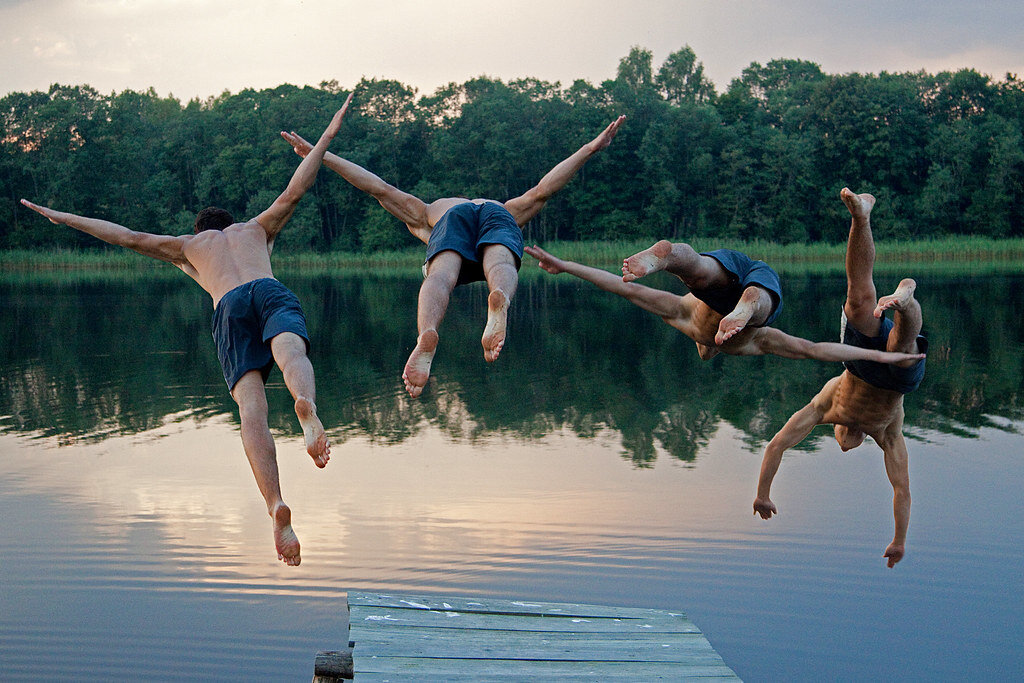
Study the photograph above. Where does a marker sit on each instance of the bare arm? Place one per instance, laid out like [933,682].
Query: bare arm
[795,430]
[656,301]
[526,206]
[770,340]
[163,247]
[402,205]
[897,467]
[275,217]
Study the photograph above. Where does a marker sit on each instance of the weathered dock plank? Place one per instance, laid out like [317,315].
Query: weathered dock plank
[416,637]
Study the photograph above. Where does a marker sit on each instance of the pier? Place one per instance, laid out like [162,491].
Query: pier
[395,637]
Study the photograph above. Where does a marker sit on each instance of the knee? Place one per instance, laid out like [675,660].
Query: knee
[253,414]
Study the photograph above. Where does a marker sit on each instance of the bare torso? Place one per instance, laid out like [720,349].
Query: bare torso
[220,260]
[860,406]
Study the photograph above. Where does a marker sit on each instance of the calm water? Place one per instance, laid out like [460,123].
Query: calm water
[598,461]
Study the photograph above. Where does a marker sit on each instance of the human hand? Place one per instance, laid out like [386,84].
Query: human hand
[764,507]
[894,552]
[50,214]
[545,260]
[335,124]
[607,135]
[298,143]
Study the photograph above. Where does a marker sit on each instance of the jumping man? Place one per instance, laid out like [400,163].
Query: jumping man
[867,399]
[700,322]
[257,321]
[467,240]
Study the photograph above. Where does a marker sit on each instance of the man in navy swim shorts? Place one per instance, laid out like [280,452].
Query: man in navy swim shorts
[468,240]
[701,321]
[257,321]
[867,399]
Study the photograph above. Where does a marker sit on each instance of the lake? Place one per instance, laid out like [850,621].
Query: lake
[598,461]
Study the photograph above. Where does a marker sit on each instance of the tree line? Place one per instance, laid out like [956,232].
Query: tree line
[763,160]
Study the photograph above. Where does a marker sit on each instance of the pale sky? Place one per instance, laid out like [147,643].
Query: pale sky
[198,48]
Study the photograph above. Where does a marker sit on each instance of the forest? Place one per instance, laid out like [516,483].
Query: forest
[763,160]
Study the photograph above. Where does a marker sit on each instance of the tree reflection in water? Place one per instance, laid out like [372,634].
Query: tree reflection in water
[89,357]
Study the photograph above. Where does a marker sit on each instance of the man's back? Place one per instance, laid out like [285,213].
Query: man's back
[225,259]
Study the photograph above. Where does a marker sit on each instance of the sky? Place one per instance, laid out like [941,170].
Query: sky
[199,48]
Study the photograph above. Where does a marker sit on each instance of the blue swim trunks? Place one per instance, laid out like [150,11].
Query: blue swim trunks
[882,375]
[246,319]
[745,271]
[467,228]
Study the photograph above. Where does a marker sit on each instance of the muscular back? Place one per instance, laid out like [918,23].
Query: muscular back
[220,260]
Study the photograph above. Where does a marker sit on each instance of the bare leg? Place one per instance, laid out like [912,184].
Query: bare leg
[861,297]
[502,279]
[753,308]
[289,351]
[259,449]
[435,292]
[907,318]
[706,352]
[696,271]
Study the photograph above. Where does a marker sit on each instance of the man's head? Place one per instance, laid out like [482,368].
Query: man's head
[848,438]
[212,218]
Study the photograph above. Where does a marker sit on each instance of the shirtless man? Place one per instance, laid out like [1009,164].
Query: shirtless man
[867,399]
[467,240]
[701,323]
[257,321]
[742,290]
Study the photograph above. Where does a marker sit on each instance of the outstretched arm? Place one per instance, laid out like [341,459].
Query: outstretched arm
[770,340]
[163,247]
[274,218]
[795,430]
[402,205]
[526,206]
[656,301]
[897,468]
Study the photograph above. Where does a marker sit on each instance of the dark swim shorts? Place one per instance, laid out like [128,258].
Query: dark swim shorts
[882,375]
[246,319]
[467,228]
[745,271]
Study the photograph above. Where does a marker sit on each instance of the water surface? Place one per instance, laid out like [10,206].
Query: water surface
[598,461]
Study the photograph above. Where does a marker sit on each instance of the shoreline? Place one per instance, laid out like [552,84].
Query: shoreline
[967,255]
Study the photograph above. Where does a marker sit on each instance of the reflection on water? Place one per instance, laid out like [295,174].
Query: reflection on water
[598,461]
[95,359]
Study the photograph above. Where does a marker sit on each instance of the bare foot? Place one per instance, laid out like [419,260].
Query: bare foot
[858,204]
[317,445]
[284,538]
[898,300]
[497,319]
[647,261]
[734,323]
[417,368]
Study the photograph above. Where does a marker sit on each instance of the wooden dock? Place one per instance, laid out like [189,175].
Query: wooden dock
[408,637]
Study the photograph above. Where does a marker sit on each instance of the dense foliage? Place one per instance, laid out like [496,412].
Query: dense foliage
[763,160]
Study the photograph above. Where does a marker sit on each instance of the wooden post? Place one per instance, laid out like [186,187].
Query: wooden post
[332,666]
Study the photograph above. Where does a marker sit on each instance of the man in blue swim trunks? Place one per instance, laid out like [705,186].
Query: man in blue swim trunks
[257,321]
[723,284]
[867,399]
[468,240]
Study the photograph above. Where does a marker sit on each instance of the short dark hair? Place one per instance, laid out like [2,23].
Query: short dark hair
[212,218]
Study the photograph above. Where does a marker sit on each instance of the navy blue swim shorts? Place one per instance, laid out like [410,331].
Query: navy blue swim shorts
[246,319]
[467,228]
[882,375]
[745,271]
